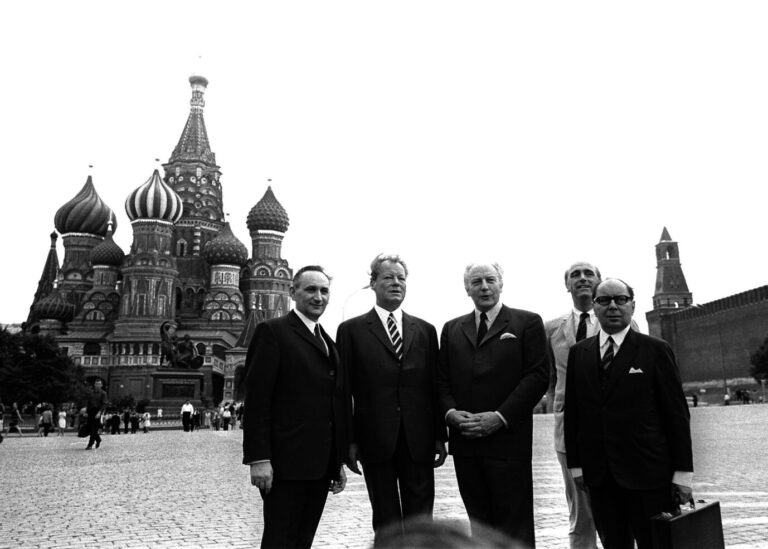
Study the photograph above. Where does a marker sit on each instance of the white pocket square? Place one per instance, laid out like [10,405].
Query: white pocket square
[635,371]
[508,335]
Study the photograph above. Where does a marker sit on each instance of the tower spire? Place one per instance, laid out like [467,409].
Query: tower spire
[671,288]
[193,144]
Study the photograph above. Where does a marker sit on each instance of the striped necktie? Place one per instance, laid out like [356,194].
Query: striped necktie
[607,356]
[394,335]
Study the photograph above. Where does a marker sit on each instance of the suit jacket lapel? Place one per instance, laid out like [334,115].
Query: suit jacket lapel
[622,362]
[301,329]
[409,326]
[568,334]
[593,372]
[377,328]
[470,329]
[502,319]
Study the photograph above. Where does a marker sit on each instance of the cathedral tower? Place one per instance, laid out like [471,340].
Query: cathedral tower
[267,278]
[83,223]
[671,292]
[149,270]
[193,174]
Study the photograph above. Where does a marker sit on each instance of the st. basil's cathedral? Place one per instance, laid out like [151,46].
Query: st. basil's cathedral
[185,267]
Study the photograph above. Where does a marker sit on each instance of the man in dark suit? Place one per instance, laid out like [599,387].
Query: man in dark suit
[493,371]
[95,406]
[391,359]
[627,432]
[295,438]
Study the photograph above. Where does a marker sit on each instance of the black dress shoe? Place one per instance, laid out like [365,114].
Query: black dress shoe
[88,448]
[98,443]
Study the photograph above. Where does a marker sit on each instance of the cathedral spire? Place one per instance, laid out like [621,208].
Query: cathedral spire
[47,279]
[193,144]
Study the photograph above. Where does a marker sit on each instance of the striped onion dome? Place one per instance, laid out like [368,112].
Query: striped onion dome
[154,200]
[85,213]
[225,249]
[107,252]
[55,307]
[268,214]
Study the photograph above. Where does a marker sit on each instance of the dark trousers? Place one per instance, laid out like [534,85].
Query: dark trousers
[399,487]
[623,516]
[498,493]
[292,511]
[93,429]
[186,420]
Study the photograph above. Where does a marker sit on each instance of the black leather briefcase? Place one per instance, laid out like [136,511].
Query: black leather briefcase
[699,528]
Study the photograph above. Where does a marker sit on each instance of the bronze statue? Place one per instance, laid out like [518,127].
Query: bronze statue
[180,353]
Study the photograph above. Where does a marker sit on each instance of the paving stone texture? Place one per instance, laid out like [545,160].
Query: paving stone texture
[170,489]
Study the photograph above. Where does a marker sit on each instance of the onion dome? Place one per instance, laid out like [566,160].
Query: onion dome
[85,213]
[55,307]
[268,214]
[107,252]
[225,249]
[154,200]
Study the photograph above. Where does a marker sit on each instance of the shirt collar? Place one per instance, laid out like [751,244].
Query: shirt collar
[310,324]
[384,315]
[577,315]
[618,337]
[491,314]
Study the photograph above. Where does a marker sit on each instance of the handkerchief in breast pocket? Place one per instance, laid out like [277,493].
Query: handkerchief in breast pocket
[507,335]
[635,370]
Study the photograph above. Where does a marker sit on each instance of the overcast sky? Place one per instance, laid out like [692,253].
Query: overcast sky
[533,134]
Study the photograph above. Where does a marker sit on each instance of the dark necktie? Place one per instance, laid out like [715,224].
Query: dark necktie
[608,356]
[394,336]
[581,331]
[482,329]
[320,339]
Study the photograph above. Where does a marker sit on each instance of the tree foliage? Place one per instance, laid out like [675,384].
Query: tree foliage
[34,369]
[759,362]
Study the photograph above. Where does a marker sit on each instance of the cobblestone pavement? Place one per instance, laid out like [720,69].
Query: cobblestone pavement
[171,489]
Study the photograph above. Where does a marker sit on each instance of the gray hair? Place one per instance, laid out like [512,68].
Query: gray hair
[496,267]
[381,259]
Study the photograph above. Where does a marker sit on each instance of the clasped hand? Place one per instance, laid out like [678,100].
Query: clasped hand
[474,425]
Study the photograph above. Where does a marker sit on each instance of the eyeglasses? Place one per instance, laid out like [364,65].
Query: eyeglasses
[605,300]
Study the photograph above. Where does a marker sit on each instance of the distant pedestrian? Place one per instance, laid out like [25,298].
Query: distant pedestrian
[15,421]
[46,420]
[134,422]
[126,420]
[114,422]
[2,425]
[62,421]
[226,417]
[186,415]
[695,400]
[95,407]
[159,414]
[146,421]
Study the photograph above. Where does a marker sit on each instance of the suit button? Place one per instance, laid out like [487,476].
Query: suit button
[397,409]
[333,373]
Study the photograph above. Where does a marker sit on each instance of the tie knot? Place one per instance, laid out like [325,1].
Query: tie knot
[610,340]
[483,317]
[317,330]
[583,316]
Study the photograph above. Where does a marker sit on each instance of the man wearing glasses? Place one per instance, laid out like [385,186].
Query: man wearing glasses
[627,432]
